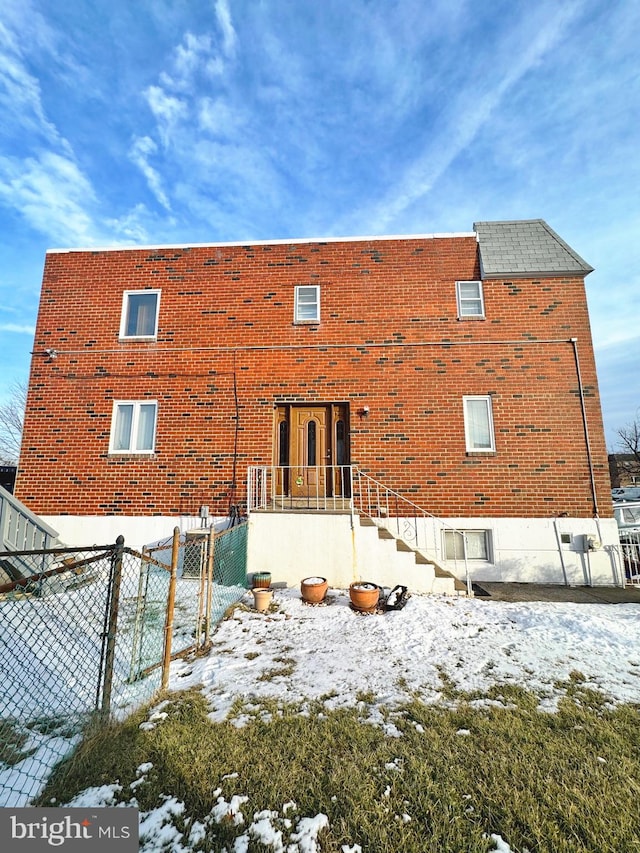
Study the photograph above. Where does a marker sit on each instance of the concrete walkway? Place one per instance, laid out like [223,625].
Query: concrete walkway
[552,592]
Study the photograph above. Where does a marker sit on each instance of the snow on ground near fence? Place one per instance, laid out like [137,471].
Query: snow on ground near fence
[337,653]
[40,666]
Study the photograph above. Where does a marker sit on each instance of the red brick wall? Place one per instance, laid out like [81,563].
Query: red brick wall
[389,338]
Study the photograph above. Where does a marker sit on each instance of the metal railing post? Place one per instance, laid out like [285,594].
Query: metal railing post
[466,564]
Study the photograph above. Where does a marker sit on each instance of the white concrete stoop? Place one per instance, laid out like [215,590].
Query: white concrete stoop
[393,561]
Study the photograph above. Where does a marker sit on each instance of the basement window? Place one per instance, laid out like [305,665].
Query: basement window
[307,304]
[470,299]
[477,543]
[140,309]
[133,426]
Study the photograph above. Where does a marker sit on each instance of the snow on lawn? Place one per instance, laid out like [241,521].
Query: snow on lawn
[331,654]
[336,653]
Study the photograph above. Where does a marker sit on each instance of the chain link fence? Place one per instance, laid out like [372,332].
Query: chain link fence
[87,635]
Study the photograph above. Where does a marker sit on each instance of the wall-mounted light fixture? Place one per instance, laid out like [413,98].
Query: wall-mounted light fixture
[364,411]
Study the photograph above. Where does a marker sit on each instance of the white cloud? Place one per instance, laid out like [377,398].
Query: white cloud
[52,194]
[167,109]
[141,150]
[131,228]
[188,55]
[18,329]
[219,117]
[223,16]
[20,95]
[464,117]
[193,56]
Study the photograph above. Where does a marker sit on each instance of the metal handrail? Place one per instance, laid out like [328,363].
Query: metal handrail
[388,506]
[300,487]
[273,487]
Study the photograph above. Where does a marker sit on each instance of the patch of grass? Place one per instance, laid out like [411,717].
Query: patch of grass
[288,668]
[12,742]
[252,655]
[567,782]
[366,696]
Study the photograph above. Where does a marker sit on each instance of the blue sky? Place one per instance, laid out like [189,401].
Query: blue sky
[161,122]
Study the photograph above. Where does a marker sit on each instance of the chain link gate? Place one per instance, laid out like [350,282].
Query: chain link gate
[212,566]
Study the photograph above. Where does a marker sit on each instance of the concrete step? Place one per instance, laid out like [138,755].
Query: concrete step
[427,576]
[383,533]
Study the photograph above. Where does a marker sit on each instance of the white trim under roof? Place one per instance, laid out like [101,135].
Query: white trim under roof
[287,242]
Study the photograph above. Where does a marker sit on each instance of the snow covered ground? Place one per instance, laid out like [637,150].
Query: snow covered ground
[328,648]
[475,643]
[50,653]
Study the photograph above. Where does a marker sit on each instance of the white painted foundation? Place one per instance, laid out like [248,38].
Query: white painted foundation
[292,546]
[530,550]
[79,530]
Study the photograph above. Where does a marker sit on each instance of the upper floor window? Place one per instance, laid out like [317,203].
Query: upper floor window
[307,304]
[133,426]
[478,424]
[470,299]
[140,309]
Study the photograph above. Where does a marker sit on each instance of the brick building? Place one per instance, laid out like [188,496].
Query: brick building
[454,370]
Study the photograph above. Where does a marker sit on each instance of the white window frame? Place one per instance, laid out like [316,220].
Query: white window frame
[488,545]
[296,311]
[124,316]
[465,302]
[135,423]
[468,436]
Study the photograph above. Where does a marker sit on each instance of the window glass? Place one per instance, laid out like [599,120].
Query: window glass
[478,423]
[340,443]
[311,443]
[477,544]
[631,514]
[146,427]
[470,302]
[307,307]
[283,451]
[124,419]
[140,314]
[133,428]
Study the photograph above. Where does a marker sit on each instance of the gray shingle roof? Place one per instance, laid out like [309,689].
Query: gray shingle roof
[523,248]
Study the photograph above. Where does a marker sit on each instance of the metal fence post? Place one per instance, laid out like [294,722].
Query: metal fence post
[171,598]
[210,556]
[112,625]
[136,643]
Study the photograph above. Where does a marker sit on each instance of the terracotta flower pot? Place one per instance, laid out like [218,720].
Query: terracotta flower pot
[313,590]
[364,596]
[262,598]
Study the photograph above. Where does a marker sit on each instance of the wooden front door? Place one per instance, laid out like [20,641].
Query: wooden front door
[309,451]
[312,442]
